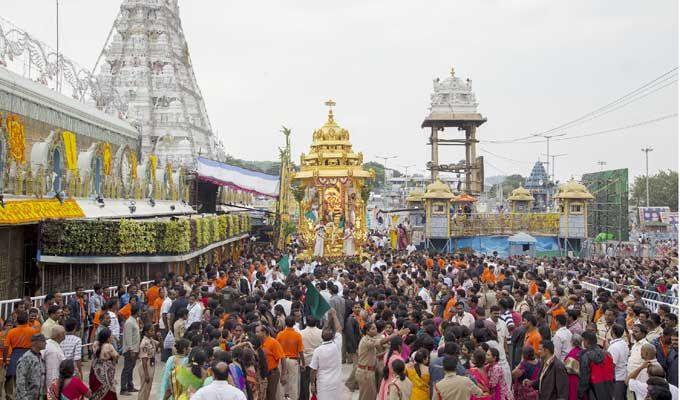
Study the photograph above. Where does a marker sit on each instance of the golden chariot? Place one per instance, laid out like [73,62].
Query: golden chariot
[332,191]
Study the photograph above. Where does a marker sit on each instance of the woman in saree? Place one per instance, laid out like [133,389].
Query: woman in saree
[68,386]
[248,362]
[185,380]
[571,363]
[181,348]
[394,353]
[103,371]
[526,372]
[237,375]
[478,374]
[497,383]
[419,375]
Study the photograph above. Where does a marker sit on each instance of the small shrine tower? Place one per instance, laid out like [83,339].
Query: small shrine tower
[415,199]
[573,207]
[438,215]
[453,105]
[520,200]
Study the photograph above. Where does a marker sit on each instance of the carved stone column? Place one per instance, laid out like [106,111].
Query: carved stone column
[434,138]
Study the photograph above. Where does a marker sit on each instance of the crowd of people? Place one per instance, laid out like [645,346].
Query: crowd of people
[399,324]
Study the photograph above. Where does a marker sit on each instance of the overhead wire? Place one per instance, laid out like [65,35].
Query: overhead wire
[641,92]
[596,133]
[505,158]
[659,80]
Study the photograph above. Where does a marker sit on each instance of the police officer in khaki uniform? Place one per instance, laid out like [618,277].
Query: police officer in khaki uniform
[369,346]
[453,386]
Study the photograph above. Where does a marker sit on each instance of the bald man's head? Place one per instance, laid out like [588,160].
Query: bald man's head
[648,352]
[220,371]
[656,370]
[58,333]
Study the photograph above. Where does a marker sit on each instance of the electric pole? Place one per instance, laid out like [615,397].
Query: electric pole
[554,156]
[547,148]
[601,164]
[406,167]
[57,77]
[385,158]
[647,150]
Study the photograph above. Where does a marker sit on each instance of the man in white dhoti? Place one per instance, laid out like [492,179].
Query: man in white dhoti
[326,362]
[318,244]
[348,243]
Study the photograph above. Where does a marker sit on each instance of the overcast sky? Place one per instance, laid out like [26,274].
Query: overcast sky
[534,65]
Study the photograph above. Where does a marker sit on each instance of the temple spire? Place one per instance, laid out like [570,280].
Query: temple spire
[330,103]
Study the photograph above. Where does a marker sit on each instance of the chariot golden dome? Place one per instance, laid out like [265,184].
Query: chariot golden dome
[573,190]
[330,154]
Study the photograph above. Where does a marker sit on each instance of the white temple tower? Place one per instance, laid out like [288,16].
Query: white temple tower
[145,75]
[453,105]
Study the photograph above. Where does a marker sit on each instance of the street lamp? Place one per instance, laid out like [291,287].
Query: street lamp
[385,158]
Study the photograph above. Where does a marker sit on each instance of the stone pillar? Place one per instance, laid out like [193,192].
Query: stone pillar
[473,143]
[434,141]
[468,161]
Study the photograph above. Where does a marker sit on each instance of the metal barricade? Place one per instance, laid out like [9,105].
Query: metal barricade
[650,299]
[7,306]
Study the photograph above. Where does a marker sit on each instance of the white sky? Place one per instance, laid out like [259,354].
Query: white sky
[534,65]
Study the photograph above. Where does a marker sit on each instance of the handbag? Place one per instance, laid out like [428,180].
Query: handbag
[169,341]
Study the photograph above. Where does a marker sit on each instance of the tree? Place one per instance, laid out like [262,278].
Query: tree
[663,190]
[509,184]
[379,172]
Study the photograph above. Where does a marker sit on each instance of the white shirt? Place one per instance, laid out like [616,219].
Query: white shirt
[340,287]
[218,390]
[195,313]
[114,326]
[562,342]
[285,304]
[311,339]
[502,331]
[425,295]
[165,308]
[410,248]
[619,352]
[327,361]
[635,358]
[640,389]
[53,356]
[466,320]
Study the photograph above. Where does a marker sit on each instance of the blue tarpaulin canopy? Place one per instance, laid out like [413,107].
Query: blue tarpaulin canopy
[521,238]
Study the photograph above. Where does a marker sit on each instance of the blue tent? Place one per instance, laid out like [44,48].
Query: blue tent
[522,244]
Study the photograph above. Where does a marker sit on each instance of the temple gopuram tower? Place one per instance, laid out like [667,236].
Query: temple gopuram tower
[453,105]
[146,76]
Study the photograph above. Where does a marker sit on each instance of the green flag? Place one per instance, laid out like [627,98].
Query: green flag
[315,302]
[284,265]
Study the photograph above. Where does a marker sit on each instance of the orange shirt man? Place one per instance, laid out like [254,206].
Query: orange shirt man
[532,337]
[430,263]
[448,310]
[487,276]
[156,306]
[152,294]
[533,288]
[273,352]
[19,337]
[290,340]
[558,310]
[125,312]
[221,282]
